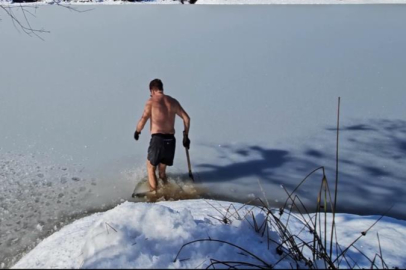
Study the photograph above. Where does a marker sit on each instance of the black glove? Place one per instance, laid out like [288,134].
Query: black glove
[186,141]
[137,135]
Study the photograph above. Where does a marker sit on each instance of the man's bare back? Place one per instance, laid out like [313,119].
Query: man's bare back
[161,110]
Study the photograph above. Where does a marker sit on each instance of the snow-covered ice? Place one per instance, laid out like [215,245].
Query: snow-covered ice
[145,235]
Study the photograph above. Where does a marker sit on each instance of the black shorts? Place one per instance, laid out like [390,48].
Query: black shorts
[162,149]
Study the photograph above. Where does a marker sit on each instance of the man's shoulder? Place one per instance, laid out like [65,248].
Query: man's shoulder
[149,102]
[172,99]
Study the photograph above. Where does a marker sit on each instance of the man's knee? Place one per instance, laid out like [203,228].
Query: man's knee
[150,166]
[162,169]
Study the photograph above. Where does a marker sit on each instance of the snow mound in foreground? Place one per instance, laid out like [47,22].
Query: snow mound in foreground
[149,236]
[145,235]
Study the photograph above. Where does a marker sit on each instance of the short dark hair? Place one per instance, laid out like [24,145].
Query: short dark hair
[157,84]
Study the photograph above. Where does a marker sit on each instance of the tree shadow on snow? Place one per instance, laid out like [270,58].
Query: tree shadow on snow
[261,167]
[372,168]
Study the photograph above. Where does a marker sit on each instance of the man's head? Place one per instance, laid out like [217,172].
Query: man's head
[156,85]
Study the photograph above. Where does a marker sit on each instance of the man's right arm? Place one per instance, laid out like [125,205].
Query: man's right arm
[144,118]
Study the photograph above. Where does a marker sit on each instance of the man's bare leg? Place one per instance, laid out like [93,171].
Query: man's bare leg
[153,183]
[162,173]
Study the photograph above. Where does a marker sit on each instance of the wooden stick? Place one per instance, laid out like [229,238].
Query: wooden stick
[189,166]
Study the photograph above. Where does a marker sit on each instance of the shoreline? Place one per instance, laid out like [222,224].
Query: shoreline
[210,2]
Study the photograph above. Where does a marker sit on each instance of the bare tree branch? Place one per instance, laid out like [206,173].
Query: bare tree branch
[25,25]
[22,22]
[58,3]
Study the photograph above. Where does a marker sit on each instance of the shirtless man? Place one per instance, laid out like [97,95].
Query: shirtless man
[162,110]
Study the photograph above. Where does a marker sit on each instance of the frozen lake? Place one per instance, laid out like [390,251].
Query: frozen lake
[260,84]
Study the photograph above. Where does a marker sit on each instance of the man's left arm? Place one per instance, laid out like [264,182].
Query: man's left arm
[186,121]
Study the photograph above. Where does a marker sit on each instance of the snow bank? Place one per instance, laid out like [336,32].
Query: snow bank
[296,2]
[143,235]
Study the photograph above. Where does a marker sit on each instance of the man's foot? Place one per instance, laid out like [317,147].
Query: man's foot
[165,181]
[164,178]
[153,191]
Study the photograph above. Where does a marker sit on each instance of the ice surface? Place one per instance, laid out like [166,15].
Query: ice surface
[36,197]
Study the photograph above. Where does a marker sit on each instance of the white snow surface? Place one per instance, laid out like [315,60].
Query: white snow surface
[146,235]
